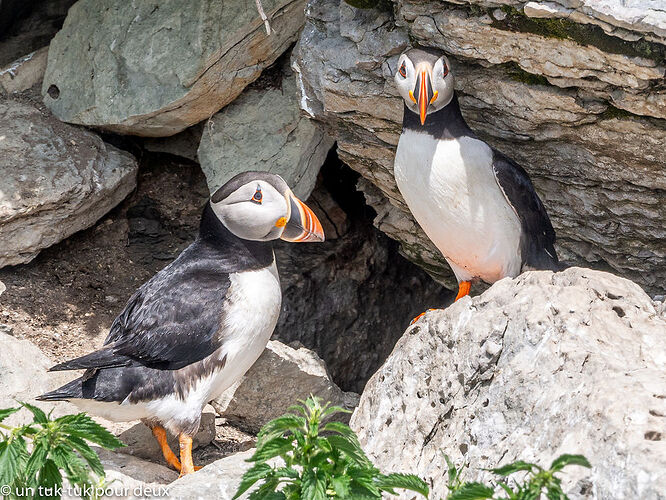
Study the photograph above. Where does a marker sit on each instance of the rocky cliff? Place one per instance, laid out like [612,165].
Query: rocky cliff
[534,367]
[574,91]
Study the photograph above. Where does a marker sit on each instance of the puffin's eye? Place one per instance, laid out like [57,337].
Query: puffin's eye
[403,71]
[257,196]
[445,69]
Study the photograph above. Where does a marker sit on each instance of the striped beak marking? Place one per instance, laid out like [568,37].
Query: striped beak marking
[423,93]
[303,225]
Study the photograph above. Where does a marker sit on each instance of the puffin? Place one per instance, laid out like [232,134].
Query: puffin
[478,206]
[199,324]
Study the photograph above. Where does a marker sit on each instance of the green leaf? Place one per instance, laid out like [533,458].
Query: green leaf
[404,481]
[472,491]
[49,479]
[509,469]
[563,460]
[251,476]
[341,486]
[351,449]
[313,485]
[272,448]
[40,416]
[84,427]
[332,410]
[280,425]
[4,413]
[87,453]
[12,456]
[37,459]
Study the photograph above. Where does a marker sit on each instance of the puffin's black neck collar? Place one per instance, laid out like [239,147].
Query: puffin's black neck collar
[447,123]
[246,254]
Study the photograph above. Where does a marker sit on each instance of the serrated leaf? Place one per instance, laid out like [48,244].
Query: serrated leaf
[39,415]
[280,425]
[87,453]
[351,449]
[252,475]
[12,456]
[472,491]
[40,450]
[332,410]
[403,481]
[563,460]
[266,490]
[272,448]
[5,412]
[313,485]
[516,466]
[49,478]
[341,486]
[84,427]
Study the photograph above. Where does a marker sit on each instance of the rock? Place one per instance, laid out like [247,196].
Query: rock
[279,379]
[537,366]
[586,119]
[264,130]
[128,477]
[24,73]
[217,480]
[57,179]
[183,144]
[156,69]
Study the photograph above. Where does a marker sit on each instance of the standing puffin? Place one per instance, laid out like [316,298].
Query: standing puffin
[478,207]
[198,325]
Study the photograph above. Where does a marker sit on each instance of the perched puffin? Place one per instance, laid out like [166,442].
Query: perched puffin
[198,325]
[477,206]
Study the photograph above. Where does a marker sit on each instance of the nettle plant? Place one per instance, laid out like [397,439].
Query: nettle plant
[536,483]
[59,447]
[318,461]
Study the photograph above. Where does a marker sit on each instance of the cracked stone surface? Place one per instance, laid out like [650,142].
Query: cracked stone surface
[586,123]
[56,180]
[265,130]
[155,69]
[298,373]
[541,365]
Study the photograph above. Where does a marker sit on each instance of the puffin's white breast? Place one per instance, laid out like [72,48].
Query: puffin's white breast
[450,188]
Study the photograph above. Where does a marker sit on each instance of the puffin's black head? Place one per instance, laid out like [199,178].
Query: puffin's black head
[259,206]
[424,81]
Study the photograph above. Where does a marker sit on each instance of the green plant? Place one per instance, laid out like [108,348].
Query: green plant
[321,460]
[537,482]
[58,446]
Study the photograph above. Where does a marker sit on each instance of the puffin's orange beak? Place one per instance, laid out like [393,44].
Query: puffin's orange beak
[424,94]
[303,225]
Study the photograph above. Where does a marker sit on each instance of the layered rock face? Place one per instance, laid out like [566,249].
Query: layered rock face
[541,365]
[579,102]
[56,180]
[155,69]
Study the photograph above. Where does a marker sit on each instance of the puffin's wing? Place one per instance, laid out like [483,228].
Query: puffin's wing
[538,236]
[173,320]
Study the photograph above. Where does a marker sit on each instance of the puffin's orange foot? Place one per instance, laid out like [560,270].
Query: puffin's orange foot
[421,315]
[463,289]
[187,467]
[169,456]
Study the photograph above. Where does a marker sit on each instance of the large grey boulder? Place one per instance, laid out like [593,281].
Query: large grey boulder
[264,129]
[582,109]
[154,69]
[56,180]
[537,366]
[279,379]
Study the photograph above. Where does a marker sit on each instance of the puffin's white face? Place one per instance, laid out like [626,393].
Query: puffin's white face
[425,87]
[263,209]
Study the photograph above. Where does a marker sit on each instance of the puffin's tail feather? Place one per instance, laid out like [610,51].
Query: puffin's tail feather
[104,358]
[73,389]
